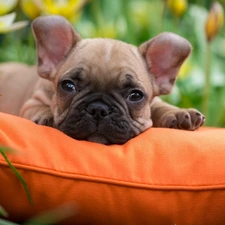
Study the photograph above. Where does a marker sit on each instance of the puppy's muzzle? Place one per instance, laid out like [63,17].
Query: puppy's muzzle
[98,118]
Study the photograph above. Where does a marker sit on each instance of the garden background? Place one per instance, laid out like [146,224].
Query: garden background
[201,80]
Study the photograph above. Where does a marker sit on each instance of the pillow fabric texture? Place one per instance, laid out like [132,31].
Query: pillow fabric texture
[163,176]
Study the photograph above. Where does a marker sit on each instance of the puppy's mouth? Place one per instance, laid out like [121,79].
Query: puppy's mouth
[105,131]
[98,138]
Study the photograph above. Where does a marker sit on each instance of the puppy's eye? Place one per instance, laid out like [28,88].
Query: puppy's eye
[135,96]
[68,86]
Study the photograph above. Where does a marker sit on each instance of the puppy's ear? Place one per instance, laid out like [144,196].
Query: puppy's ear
[55,37]
[164,56]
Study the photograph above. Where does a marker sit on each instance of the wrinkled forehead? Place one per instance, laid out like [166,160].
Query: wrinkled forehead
[107,49]
[107,58]
[108,52]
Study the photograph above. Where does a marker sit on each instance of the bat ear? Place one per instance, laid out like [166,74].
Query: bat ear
[55,37]
[164,56]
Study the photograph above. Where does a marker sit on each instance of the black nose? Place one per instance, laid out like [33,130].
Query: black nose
[98,109]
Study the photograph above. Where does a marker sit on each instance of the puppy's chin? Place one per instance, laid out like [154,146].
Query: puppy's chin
[98,138]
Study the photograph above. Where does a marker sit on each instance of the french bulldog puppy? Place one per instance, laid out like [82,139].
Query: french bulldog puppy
[100,90]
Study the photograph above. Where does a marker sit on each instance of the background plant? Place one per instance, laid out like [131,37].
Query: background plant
[53,216]
[136,21]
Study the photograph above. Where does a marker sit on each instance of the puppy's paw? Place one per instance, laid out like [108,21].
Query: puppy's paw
[184,119]
[46,120]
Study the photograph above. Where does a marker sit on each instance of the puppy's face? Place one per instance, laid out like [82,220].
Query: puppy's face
[103,87]
[103,92]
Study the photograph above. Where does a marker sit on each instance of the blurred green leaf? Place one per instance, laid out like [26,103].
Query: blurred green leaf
[54,216]
[5,222]
[3,212]
[3,150]
[6,149]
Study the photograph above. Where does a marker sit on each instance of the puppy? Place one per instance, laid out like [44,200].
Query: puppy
[100,90]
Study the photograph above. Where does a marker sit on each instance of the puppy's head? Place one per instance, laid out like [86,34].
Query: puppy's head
[103,88]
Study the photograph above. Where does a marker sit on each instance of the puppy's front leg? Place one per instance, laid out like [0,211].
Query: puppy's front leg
[38,107]
[166,115]
[40,114]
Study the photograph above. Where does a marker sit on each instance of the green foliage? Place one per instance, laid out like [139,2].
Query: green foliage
[3,212]
[6,222]
[50,217]
[53,216]
[136,21]
[3,151]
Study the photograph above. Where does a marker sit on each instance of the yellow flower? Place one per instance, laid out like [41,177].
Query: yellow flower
[30,8]
[7,23]
[67,8]
[214,21]
[178,7]
[7,6]
[185,69]
[107,31]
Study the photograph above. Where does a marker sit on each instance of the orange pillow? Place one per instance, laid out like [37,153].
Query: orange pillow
[163,176]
